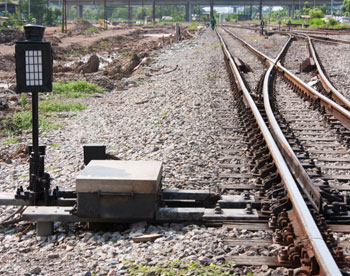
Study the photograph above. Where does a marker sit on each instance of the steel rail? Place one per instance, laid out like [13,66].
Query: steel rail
[329,105]
[323,256]
[335,94]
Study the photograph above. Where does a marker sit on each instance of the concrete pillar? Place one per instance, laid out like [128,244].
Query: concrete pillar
[154,11]
[260,10]
[187,11]
[211,9]
[250,11]
[290,10]
[79,9]
[293,10]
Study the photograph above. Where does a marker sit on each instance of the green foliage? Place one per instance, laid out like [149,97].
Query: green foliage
[23,120]
[193,26]
[332,22]
[346,6]
[93,30]
[53,106]
[23,99]
[316,23]
[11,140]
[211,78]
[177,267]
[13,21]
[76,89]
[316,13]
[307,7]
[324,8]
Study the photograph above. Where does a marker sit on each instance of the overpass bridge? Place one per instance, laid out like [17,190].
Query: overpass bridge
[291,4]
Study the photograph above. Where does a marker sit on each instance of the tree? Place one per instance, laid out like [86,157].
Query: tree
[324,8]
[307,7]
[346,6]
[316,13]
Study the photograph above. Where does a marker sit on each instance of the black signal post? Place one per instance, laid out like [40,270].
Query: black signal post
[34,74]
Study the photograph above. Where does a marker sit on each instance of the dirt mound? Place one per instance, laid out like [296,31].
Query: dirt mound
[54,40]
[7,63]
[81,27]
[10,35]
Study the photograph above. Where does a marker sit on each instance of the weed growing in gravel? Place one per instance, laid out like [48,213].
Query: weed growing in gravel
[193,26]
[11,140]
[211,78]
[105,44]
[178,267]
[76,89]
[23,120]
[51,106]
[23,100]
[93,30]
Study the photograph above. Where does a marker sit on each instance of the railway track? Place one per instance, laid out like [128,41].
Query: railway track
[305,134]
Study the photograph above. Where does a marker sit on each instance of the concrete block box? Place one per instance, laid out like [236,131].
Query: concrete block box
[118,190]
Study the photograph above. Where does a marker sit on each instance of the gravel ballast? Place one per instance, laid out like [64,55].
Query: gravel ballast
[166,113]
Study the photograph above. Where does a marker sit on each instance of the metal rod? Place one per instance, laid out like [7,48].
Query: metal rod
[260,10]
[129,12]
[35,122]
[105,14]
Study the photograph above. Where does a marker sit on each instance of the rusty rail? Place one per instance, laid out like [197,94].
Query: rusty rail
[330,106]
[306,222]
[327,85]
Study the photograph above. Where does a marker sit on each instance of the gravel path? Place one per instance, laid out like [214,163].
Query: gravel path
[336,62]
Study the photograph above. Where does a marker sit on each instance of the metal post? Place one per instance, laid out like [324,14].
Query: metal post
[154,11]
[105,14]
[187,11]
[35,155]
[143,11]
[62,17]
[260,10]
[28,8]
[129,12]
[331,7]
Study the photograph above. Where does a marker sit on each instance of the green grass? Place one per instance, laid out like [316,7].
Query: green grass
[51,106]
[76,89]
[211,78]
[11,140]
[105,44]
[93,30]
[193,26]
[178,267]
[23,120]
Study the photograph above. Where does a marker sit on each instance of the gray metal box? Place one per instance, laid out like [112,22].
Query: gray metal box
[118,190]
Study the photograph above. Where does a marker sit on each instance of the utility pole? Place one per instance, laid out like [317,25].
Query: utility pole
[28,8]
